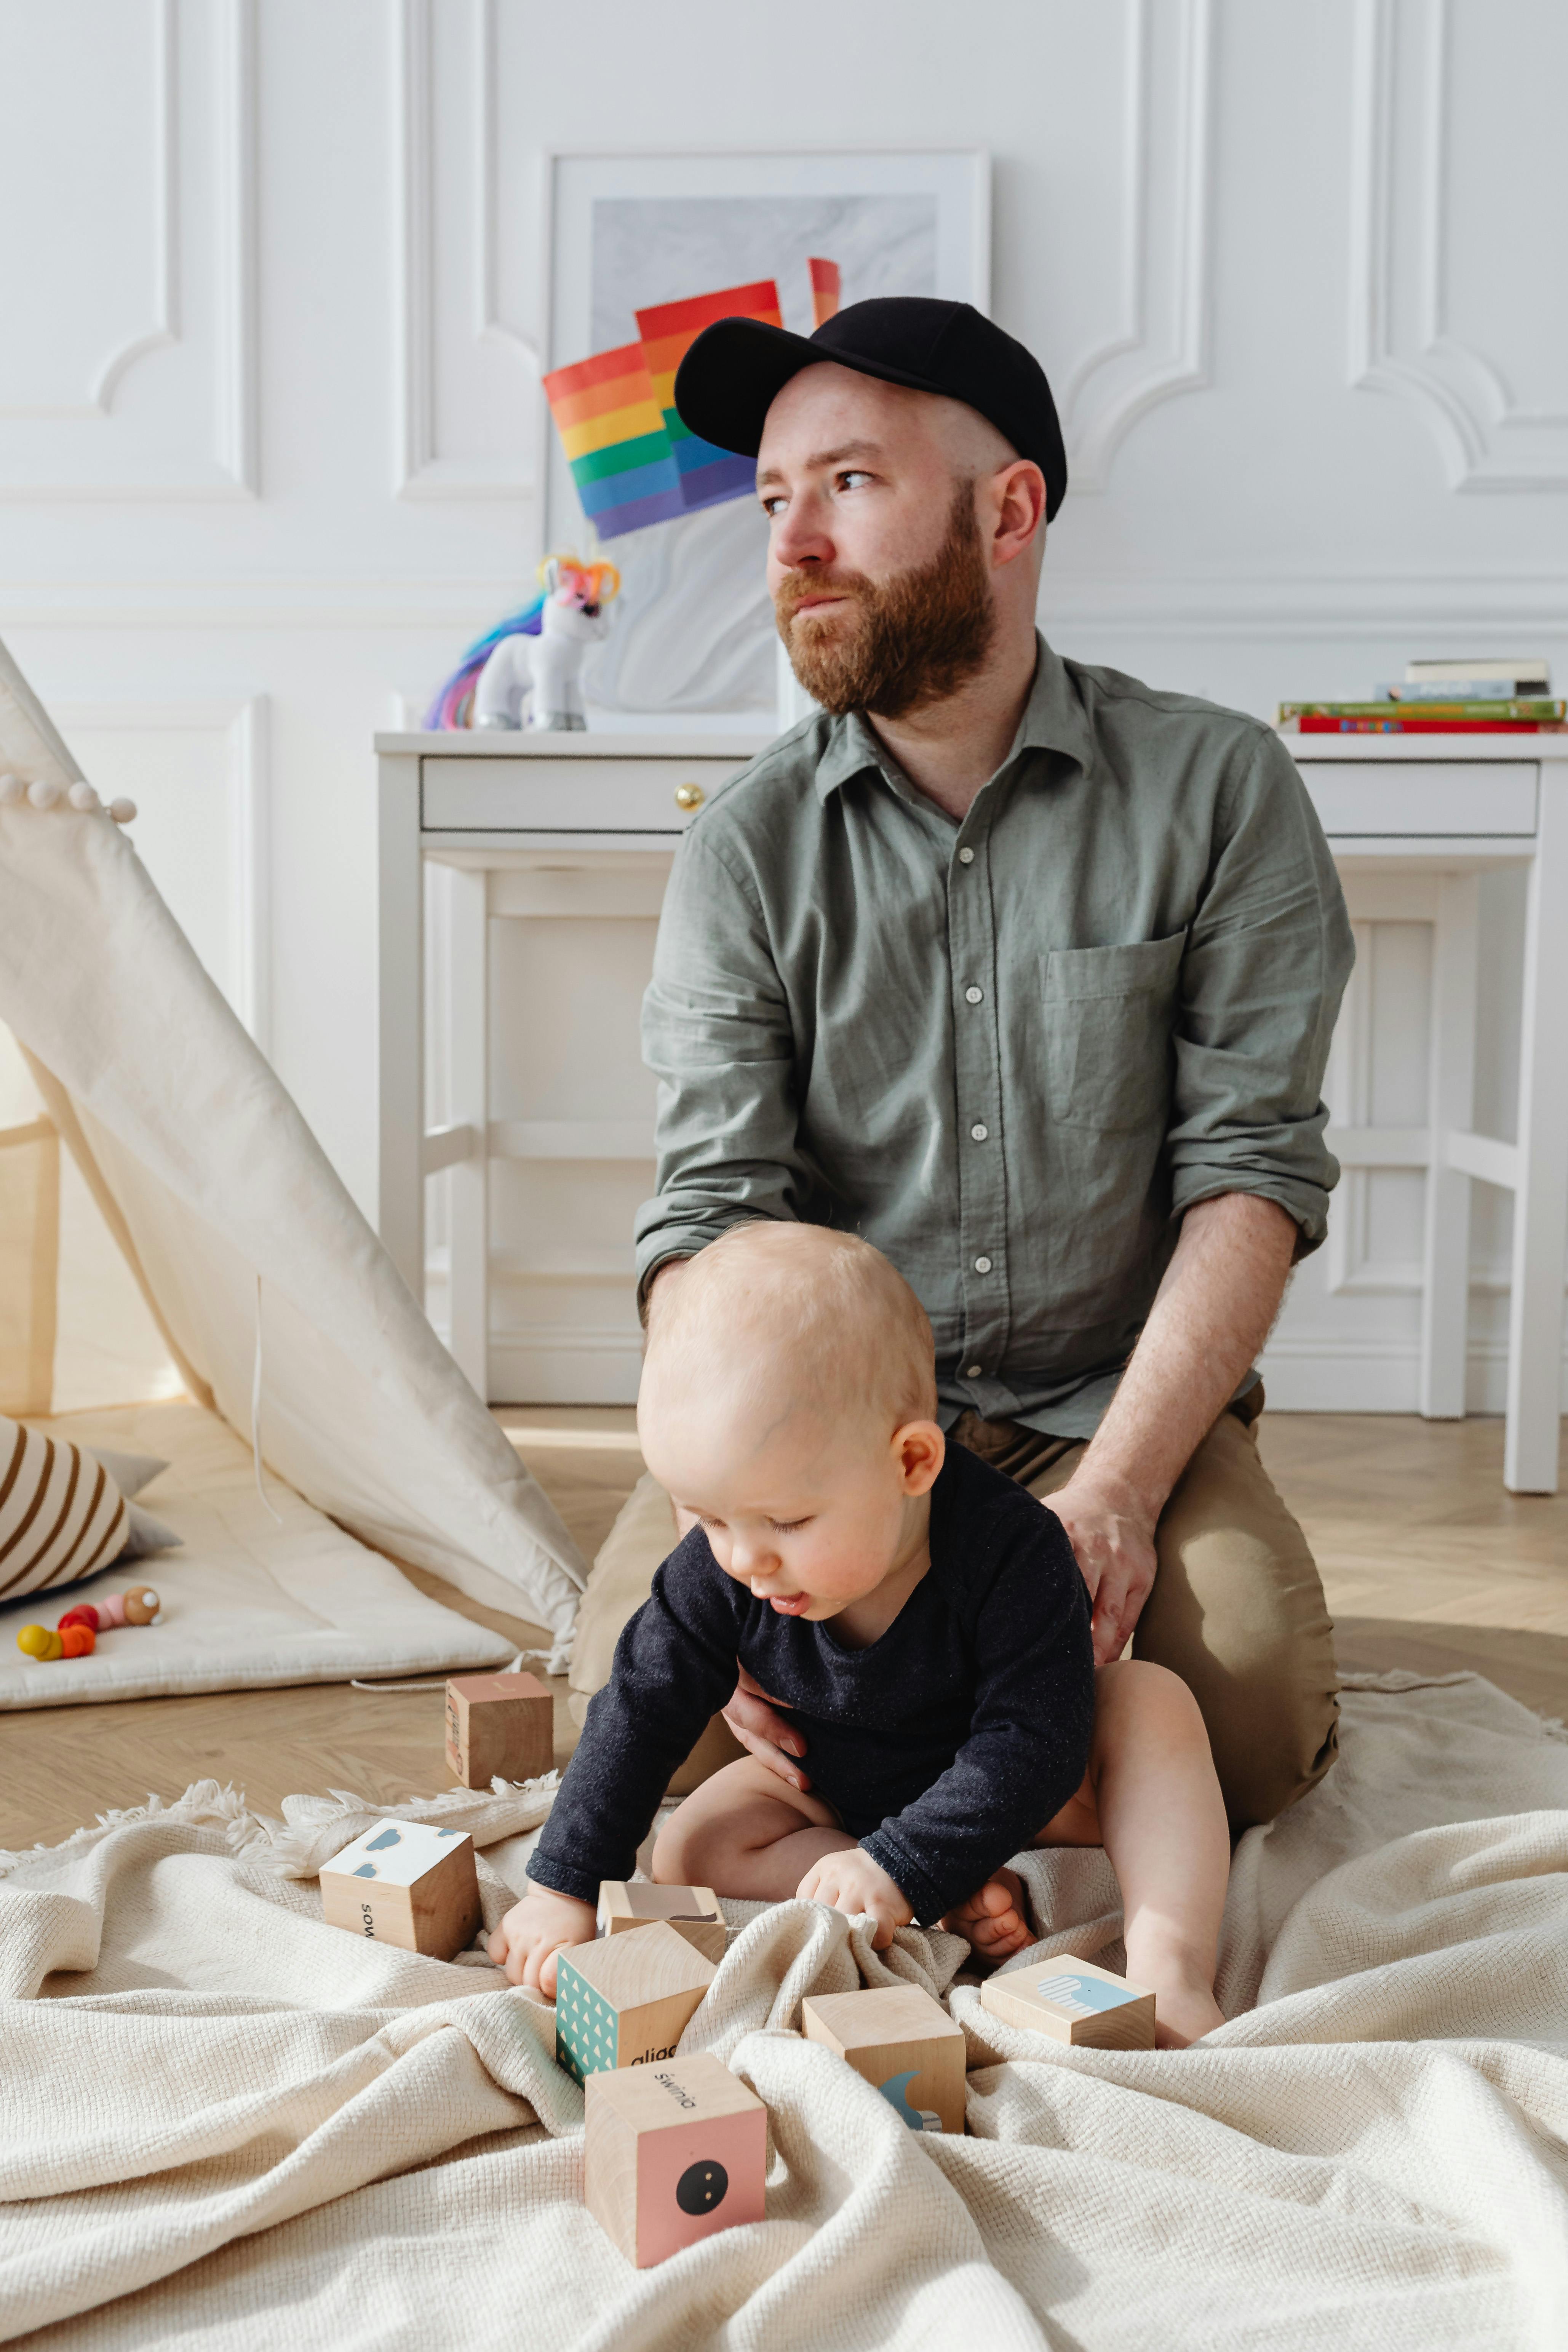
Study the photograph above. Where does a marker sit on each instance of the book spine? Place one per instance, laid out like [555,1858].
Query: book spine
[1313,723]
[1489,714]
[1467,690]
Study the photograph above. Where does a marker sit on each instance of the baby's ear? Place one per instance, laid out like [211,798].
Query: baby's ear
[919,1449]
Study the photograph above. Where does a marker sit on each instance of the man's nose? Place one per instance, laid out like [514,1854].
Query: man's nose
[801,537]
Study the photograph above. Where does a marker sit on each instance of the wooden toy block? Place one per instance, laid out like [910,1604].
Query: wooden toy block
[672,2153]
[1072,2001]
[499,1723]
[625,1999]
[407,1884]
[903,2042]
[692,1911]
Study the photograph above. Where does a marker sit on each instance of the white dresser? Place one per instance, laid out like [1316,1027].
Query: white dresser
[521,882]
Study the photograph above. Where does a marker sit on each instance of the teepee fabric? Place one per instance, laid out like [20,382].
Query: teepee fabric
[235,1225]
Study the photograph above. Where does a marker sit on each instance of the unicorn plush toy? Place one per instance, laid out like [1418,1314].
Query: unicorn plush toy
[545,672]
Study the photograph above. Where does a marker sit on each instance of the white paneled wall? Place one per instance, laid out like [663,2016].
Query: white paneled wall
[271,438]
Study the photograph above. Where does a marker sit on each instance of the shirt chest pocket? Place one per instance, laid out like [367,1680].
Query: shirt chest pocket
[1108,1015]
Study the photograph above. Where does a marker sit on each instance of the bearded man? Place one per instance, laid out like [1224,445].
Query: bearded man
[1027,973]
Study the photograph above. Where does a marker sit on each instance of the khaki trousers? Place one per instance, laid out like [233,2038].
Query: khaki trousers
[1237,1608]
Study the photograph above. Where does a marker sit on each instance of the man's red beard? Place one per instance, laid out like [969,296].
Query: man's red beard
[916,638]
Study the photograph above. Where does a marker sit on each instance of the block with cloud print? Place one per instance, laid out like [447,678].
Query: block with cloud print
[408,1883]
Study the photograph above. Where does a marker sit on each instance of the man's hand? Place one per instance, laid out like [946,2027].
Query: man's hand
[764,1735]
[852,1882]
[534,1930]
[1113,1541]
[1211,1315]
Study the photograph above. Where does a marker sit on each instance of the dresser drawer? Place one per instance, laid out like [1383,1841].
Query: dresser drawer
[1486,796]
[546,795]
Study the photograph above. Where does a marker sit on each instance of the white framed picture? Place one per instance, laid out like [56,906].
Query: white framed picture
[693,645]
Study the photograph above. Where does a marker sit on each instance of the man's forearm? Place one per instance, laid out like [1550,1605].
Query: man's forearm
[1213,1312]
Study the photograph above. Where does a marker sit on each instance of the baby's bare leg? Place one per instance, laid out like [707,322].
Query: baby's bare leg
[1162,1824]
[745,1833]
[1152,1799]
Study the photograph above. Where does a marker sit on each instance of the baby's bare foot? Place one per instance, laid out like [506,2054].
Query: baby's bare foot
[994,1921]
[1184,2013]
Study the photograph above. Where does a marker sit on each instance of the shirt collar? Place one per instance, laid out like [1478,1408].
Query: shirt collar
[1053,720]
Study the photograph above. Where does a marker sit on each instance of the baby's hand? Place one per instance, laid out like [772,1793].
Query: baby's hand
[851,1881]
[534,1930]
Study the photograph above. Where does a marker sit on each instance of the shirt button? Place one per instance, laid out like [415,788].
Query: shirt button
[978,1133]
[981,1265]
[972,995]
[966,856]
[973,1372]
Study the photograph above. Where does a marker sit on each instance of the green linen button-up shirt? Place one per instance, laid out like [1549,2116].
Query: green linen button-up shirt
[1011,1052]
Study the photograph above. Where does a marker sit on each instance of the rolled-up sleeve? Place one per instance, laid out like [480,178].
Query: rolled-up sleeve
[718,1036]
[1268,953]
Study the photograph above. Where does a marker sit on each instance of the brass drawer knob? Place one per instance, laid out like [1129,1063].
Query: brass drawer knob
[688,796]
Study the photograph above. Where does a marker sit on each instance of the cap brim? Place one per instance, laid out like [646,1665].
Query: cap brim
[737,368]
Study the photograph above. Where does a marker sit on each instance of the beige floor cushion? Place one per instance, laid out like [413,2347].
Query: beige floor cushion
[250,1599]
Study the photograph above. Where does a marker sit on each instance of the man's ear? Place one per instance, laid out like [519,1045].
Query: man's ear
[919,1449]
[1018,492]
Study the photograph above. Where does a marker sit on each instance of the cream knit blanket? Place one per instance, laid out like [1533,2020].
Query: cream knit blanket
[222,2124]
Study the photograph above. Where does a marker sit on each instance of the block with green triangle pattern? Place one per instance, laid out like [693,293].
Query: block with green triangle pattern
[625,1999]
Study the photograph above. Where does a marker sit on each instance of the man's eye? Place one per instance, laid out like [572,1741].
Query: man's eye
[772,509]
[848,481]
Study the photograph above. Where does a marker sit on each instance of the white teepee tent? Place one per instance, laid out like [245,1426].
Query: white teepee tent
[230,1214]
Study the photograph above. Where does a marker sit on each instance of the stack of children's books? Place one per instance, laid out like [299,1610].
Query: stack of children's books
[1504,697]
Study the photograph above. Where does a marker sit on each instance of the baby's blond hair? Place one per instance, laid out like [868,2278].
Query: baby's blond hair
[797,1311]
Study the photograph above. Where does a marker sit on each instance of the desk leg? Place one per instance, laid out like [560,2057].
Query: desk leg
[1540,1202]
[400,1207]
[1446,1290]
[468,1057]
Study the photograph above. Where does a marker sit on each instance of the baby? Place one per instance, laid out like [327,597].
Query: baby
[921,1616]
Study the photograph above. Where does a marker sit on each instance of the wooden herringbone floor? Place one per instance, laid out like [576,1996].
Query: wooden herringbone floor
[1428,1563]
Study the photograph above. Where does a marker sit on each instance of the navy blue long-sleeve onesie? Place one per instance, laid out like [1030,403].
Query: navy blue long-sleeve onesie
[945,1746]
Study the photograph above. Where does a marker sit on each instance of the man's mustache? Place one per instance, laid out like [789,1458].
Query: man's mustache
[796,587]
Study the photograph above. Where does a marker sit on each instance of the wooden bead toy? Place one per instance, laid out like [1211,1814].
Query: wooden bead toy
[111,1610]
[672,2153]
[142,1605]
[1073,2001]
[407,1884]
[38,1642]
[78,1641]
[903,2042]
[692,1911]
[84,1613]
[625,2001]
[499,1723]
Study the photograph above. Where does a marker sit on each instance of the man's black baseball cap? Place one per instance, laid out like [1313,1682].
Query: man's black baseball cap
[737,367]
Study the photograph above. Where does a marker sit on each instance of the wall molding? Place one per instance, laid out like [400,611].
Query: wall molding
[1159,346]
[1374,1374]
[235,389]
[1487,441]
[420,471]
[247,882]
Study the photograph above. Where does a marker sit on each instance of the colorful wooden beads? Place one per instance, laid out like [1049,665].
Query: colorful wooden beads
[77,1634]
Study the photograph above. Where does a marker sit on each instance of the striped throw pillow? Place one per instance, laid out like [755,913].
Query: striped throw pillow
[61,1514]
